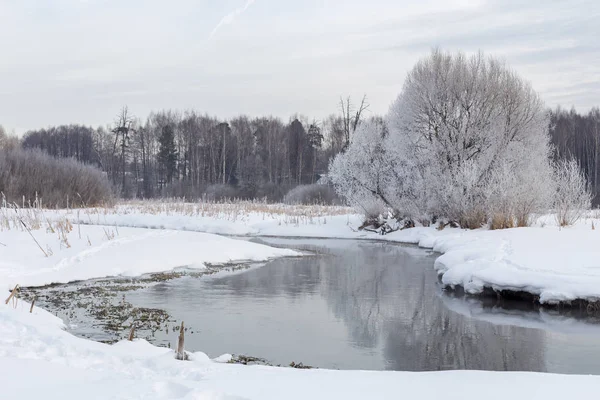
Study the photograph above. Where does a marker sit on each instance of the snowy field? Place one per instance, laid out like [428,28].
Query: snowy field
[38,359]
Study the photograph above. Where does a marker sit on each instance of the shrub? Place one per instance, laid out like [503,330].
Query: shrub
[272,192]
[311,194]
[34,174]
[220,193]
[572,197]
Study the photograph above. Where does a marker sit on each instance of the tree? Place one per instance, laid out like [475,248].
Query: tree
[572,194]
[460,126]
[297,146]
[315,141]
[351,117]
[364,175]
[7,141]
[122,132]
[167,154]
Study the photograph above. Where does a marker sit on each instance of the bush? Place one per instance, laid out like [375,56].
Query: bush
[311,194]
[220,192]
[272,192]
[34,174]
[572,196]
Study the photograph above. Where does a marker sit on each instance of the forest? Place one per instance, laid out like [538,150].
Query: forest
[189,154]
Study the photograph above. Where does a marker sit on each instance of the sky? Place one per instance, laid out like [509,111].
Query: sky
[81,61]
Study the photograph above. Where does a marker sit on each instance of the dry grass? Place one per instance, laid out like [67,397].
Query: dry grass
[230,211]
[233,211]
[502,221]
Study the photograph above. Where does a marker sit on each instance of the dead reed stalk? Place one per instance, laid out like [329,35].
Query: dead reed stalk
[180,351]
[132,332]
[13,293]
[29,231]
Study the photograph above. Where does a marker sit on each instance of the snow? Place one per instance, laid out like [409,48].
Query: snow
[39,360]
[555,264]
[132,252]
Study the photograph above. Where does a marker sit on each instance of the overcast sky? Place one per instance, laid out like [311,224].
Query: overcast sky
[76,61]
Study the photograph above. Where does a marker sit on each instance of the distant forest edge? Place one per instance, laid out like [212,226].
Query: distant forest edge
[192,155]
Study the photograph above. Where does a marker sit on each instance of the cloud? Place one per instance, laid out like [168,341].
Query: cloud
[229,18]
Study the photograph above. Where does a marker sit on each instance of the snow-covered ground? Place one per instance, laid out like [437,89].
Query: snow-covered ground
[556,264]
[38,359]
[103,251]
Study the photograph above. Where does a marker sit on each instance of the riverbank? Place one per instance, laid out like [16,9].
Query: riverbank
[550,264]
[38,358]
[60,251]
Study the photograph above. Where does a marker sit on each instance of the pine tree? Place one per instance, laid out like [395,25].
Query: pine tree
[167,154]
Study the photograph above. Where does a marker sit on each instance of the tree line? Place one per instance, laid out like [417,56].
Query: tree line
[190,154]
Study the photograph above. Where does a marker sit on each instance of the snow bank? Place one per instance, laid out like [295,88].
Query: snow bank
[558,265]
[108,251]
[39,360]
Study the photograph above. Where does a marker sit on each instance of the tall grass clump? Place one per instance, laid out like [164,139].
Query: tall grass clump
[59,182]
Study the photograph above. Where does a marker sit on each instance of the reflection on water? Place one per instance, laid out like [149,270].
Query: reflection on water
[363,305]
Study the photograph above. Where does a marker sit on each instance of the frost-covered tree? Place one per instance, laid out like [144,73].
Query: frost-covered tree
[572,192]
[467,139]
[366,175]
[362,174]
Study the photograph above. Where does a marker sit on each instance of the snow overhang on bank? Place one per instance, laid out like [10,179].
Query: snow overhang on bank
[106,251]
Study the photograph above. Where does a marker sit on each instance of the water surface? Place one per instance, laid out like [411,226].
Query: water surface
[367,305]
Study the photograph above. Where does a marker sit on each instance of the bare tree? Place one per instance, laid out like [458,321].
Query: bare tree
[7,141]
[122,132]
[352,117]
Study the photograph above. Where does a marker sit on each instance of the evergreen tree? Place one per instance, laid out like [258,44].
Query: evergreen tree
[167,154]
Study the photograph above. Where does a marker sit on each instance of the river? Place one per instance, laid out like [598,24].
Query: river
[364,305]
